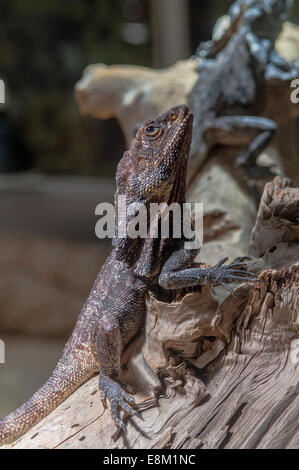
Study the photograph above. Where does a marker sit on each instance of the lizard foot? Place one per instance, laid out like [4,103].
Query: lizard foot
[235,271]
[119,400]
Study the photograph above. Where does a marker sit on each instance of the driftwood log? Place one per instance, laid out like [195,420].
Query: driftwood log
[214,370]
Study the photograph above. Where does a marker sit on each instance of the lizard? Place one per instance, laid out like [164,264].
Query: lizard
[152,170]
[233,70]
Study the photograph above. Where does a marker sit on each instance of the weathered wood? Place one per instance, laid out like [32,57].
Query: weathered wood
[214,370]
[133,94]
[276,232]
[243,391]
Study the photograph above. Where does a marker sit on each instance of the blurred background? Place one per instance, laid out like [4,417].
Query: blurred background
[56,165]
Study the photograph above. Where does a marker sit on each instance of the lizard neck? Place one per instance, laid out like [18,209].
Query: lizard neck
[145,256]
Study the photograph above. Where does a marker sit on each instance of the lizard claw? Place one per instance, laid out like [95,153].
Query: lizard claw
[128,398]
[118,398]
[221,262]
[119,423]
[236,271]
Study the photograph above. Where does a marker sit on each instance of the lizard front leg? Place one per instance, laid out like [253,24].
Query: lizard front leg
[174,277]
[253,132]
[109,348]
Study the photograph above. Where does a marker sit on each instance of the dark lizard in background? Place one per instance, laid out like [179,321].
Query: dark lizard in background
[152,170]
[233,70]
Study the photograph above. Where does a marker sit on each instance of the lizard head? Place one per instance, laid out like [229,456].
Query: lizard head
[154,168]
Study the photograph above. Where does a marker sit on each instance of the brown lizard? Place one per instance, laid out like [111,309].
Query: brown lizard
[152,170]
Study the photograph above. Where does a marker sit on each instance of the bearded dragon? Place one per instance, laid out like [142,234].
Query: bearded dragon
[152,170]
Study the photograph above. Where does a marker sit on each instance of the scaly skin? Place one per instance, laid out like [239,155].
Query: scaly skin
[233,72]
[153,170]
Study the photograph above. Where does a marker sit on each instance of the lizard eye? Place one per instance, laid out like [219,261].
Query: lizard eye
[153,131]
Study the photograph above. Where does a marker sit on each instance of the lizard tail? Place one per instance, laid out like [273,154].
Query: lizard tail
[70,372]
